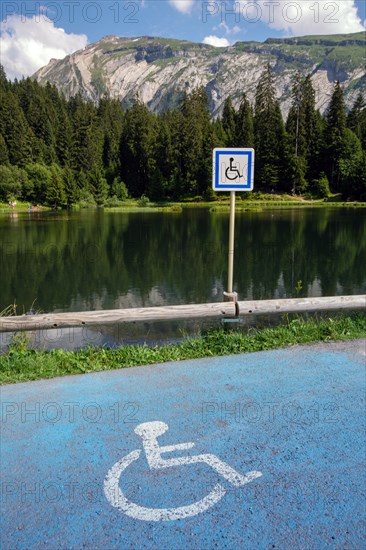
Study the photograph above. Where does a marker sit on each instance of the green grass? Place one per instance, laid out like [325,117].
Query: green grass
[20,364]
[253,202]
[134,205]
[348,58]
[21,206]
[162,63]
[258,206]
[336,38]
[97,76]
[314,49]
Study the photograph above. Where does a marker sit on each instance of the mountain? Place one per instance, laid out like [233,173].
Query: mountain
[159,69]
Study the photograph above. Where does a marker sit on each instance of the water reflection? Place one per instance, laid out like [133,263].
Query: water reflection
[99,260]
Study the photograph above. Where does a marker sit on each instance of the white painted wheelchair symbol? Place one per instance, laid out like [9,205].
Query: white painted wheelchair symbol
[149,432]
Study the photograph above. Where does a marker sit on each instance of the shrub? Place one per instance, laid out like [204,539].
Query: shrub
[86,199]
[143,201]
[113,202]
[119,189]
[320,187]
[12,180]
[40,177]
[209,194]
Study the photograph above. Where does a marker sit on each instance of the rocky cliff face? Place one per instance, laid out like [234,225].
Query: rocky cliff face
[159,70]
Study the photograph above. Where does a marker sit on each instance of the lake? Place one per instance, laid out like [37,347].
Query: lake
[93,259]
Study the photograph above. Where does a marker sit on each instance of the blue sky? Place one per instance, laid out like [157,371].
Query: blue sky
[34,32]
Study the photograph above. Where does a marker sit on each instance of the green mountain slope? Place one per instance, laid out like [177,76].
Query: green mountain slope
[159,69]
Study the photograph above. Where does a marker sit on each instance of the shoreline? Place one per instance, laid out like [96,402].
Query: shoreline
[220,205]
[20,364]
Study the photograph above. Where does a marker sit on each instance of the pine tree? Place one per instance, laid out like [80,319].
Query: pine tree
[228,122]
[350,164]
[219,136]
[172,160]
[4,153]
[334,135]
[166,159]
[55,192]
[15,129]
[138,149]
[64,138]
[157,186]
[70,187]
[197,140]
[295,125]
[356,119]
[40,112]
[359,190]
[168,154]
[313,130]
[4,84]
[98,185]
[269,133]
[87,139]
[304,134]
[244,124]
[111,121]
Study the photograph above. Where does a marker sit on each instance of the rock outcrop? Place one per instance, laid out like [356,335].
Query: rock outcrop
[158,70]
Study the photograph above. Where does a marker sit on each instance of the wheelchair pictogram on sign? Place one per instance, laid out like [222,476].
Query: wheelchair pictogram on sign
[233,169]
[149,432]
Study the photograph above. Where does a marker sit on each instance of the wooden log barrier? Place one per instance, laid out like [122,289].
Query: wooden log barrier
[302,305]
[220,310]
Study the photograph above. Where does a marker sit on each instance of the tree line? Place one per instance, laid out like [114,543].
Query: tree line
[63,152]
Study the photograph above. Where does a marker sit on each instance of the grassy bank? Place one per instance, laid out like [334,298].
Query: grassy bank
[21,206]
[20,364]
[254,202]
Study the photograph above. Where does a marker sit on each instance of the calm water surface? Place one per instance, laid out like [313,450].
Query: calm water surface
[94,259]
[103,260]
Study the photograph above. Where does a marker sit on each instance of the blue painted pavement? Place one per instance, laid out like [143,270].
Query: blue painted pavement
[75,473]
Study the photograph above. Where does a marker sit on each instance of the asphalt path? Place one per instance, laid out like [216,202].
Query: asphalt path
[271,454]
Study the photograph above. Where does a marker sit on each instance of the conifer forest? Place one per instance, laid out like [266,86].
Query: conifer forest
[62,152]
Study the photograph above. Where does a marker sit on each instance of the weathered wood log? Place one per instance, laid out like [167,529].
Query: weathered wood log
[301,305]
[192,311]
[114,316]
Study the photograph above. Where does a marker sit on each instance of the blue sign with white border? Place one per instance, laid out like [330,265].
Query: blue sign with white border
[233,169]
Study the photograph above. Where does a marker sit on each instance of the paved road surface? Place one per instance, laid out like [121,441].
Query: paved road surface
[274,455]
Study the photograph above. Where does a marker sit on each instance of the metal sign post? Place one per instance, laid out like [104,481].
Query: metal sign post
[233,170]
[231,245]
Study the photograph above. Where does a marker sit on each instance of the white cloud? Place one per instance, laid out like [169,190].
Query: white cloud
[301,17]
[184,6]
[228,29]
[27,44]
[216,41]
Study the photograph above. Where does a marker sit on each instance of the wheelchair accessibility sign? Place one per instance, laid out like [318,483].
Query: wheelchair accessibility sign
[149,432]
[233,169]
